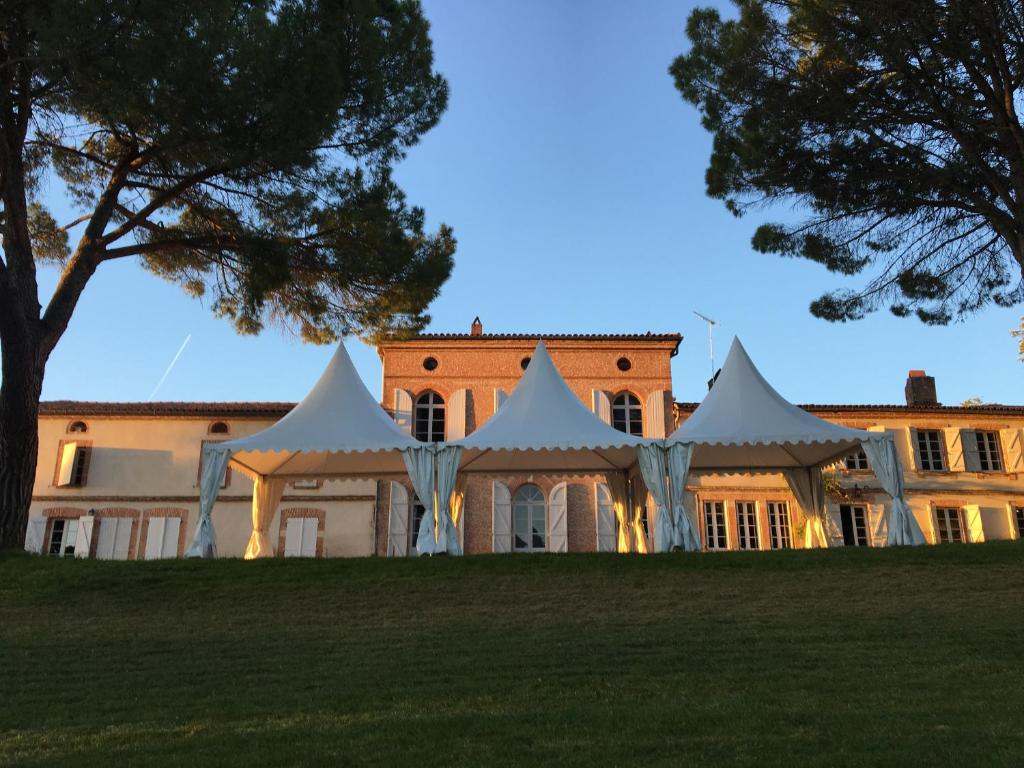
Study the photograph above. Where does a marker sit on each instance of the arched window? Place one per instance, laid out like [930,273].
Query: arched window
[428,426]
[78,426]
[219,428]
[529,524]
[626,414]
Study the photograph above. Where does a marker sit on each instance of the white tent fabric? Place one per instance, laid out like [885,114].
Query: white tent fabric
[447,467]
[419,461]
[266,495]
[808,487]
[903,528]
[744,425]
[544,427]
[684,533]
[652,467]
[215,463]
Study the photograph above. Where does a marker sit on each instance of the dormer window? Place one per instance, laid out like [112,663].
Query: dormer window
[219,428]
[79,427]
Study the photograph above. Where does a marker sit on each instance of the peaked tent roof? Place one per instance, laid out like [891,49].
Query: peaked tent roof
[543,427]
[744,424]
[337,430]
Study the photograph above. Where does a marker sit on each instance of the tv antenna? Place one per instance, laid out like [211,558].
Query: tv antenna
[711,339]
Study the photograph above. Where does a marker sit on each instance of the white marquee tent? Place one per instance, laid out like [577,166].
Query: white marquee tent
[744,425]
[337,431]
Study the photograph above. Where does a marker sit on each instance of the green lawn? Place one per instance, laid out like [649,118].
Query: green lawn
[831,658]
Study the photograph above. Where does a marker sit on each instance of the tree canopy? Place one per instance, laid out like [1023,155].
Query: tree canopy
[893,129]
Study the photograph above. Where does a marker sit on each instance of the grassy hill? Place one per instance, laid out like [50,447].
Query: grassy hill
[830,658]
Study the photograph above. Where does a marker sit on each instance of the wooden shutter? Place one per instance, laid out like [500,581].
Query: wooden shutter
[398,521]
[403,410]
[1013,451]
[83,537]
[558,513]
[501,516]
[155,537]
[974,531]
[878,525]
[172,527]
[106,539]
[908,436]
[35,535]
[605,517]
[500,396]
[68,452]
[601,405]
[655,422]
[456,413]
[957,441]
[310,530]
[293,537]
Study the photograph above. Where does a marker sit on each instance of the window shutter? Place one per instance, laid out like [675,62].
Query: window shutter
[906,446]
[398,521]
[500,396]
[155,537]
[83,538]
[68,452]
[605,517]
[974,531]
[501,508]
[1013,450]
[403,410]
[878,526]
[106,539]
[457,415]
[172,527]
[34,535]
[601,405]
[310,529]
[958,443]
[655,421]
[558,512]
[293,537]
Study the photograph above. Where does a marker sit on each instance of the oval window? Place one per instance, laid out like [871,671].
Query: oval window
[524,362]
[624,364]
[430,363]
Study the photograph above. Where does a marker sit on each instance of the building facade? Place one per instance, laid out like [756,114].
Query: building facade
[121,480]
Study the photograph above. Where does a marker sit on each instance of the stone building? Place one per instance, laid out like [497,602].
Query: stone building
[120,480]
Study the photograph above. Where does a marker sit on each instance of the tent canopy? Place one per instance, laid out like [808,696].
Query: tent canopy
[338,430]
[543,427]
[744,425]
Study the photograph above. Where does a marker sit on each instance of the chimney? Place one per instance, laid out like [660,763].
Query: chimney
[920,389]
[477,328]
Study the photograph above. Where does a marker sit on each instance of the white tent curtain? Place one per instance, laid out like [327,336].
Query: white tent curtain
[651,458]
[447,467]
[684,533]
[808,486]
[215,464]
[617,487]
[419,462]
[903,528]
[266,495]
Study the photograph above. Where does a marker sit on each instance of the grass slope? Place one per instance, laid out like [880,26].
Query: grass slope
[831,658]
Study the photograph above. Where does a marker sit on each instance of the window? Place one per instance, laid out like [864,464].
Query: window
[854,521]
[72,464]
[529,527]
[778,525]
[1018,514]
[300,536]
[219,428]
[428,424]
[626,414]
[524,363]
[714,525]
[115,538]
[415,520]
[746,525]
[430,363]
[162,536]
[623,364]
[309,484]
[78,427]
[929,450]
[199,477]
[858,460]
[63,534]
[949,525]
[989,458]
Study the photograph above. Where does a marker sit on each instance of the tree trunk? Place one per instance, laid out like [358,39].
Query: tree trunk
[19,440]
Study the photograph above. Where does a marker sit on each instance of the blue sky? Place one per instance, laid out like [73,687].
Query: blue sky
[573,175]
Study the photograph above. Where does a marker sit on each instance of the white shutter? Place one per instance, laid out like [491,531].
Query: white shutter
[310,531]
[67,463]
[1013,449]
[123,537]
[155,538]
[558,512]
[106,539]
[601,405]
[605,518]
[83,537]
[172,526]
[655,426]
[403,410]
[398,521]
[878,525]
[456,413]
[293,537]
[906,446]
[957,440]
[500,396]
[969,442]
[501,517]
[974,531]
[34,535]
